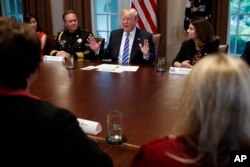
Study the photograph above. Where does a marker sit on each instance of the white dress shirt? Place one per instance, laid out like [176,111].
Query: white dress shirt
[131,40]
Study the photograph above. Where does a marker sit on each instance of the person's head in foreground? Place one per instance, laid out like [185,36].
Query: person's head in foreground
[215,107]
[35,132]
[214,118]
[20,56]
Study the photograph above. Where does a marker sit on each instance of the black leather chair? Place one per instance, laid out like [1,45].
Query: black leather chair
[157,42]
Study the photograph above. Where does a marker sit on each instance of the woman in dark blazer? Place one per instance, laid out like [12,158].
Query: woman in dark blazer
[201,41]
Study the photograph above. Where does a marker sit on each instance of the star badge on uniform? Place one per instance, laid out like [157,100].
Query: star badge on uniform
[79,40]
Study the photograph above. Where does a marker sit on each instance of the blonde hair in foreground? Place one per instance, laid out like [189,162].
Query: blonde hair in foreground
[215,107]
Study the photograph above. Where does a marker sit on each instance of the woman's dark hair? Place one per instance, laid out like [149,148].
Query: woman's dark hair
[27,18]
[204,30]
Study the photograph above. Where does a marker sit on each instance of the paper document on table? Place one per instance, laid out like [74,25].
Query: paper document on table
[177,70]
[128,68]
[88,68]
[109,68]
[112,68]
[90,127]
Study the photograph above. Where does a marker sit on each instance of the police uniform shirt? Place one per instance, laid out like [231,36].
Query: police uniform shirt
[73,43]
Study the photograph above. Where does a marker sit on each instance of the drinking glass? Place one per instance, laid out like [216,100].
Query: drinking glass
[115,130]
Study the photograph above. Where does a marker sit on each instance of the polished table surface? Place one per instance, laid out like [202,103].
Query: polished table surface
[148,99]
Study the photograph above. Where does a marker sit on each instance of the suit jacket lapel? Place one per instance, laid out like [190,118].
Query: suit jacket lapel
[135,45]
[119,41]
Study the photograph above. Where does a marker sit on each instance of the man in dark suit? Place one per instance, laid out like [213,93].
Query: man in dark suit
[35,132]
[140,46]
[246,54]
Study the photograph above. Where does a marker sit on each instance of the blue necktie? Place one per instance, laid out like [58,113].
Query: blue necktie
[126,51]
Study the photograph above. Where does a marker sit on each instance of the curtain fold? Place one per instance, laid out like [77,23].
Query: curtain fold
[83,9]
[162,25]
[220,13]
[42,10]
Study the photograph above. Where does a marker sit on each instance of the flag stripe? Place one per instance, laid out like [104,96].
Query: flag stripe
[143,22]
[146,14]
[148,17]
[151,10]
[153,4]
[148,11]
[140,23]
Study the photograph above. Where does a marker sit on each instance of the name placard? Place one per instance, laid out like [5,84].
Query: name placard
[90,127]
[53,58]
[177,70]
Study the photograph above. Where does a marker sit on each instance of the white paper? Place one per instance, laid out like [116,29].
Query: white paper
[177,70]
[88,68]
[109,68]
[90,127]
[129,68]
[116,68]
[53,58]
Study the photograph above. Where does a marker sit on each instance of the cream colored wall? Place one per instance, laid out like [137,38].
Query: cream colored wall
[57,11]
[175,32]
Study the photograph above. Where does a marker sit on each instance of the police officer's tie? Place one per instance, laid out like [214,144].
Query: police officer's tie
[125,59]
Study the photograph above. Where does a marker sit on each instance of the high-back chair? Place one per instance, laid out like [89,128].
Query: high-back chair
[156,41]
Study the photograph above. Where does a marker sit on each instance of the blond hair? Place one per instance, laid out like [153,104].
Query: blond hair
[129,12]
[215,106]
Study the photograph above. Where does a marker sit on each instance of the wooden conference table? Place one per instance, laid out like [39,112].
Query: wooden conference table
[148,100]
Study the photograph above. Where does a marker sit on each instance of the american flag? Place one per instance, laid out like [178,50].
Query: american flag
[147,10]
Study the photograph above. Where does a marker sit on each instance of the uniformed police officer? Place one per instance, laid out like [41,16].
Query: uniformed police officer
[197,8]
[72,40]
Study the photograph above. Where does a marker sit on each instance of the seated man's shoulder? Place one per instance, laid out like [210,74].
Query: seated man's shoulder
[85,31]
[117,31]
[144,31]
[62,31]
[188,42]
[51,109]
[59,33]
[144,34]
